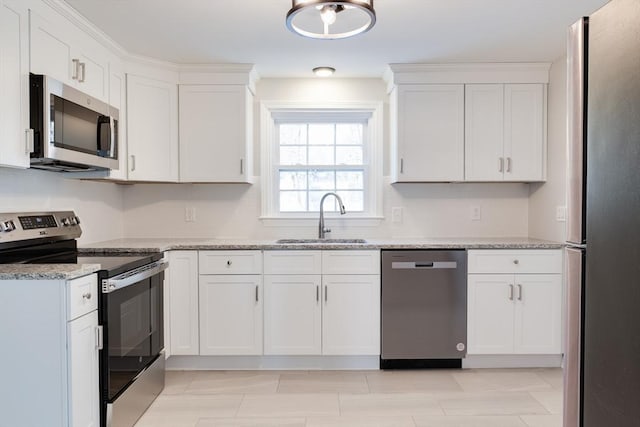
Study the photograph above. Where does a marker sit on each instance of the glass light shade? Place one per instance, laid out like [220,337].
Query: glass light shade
[324,19]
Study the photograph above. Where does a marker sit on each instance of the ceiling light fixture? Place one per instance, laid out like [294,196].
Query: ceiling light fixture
[326,19]
[324,71]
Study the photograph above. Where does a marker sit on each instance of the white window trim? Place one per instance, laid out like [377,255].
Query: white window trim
[268,138]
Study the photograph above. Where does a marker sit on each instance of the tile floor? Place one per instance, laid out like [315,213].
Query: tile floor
[456,398]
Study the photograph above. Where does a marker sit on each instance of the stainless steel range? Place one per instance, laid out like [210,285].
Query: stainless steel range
[130,307]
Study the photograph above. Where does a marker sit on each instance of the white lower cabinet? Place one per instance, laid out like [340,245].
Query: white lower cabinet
[351,315]
[292,315]
[231,315]
[515,313]
[84,360]
[182,276]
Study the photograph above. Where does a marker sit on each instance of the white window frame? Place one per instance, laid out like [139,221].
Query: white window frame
[270,111]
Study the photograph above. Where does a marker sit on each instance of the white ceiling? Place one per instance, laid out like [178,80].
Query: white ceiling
[407,31]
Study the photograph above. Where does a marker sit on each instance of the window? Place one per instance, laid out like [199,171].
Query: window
[311,152]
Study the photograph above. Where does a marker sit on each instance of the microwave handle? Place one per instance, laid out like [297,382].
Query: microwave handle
[106,120]
[112,134]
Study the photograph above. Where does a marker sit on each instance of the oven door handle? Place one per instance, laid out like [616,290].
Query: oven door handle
[134,276]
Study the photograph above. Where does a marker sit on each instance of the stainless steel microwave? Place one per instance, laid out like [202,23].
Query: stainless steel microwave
[72,131]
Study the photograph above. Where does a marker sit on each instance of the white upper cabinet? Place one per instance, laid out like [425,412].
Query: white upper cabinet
[64,52]
[215,133]
[152,124]
[14,84]
[505,132]
[428,135]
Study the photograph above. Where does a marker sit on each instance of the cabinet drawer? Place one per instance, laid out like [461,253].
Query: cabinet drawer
[547,261]
[350,262]
[292,262]
[230,262]
[83,296]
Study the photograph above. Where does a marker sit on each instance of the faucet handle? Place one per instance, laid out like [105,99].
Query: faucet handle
[327,230]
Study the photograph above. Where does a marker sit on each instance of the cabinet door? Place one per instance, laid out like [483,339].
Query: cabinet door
[14,83]
[51,50]
[183,302]
[490,326]
[538,318]
[525,133]
[83,371]
[484,129]
[430,121]
[93,72]
[152,129]
[215,133]
[231,315]
[351,315]
[117,98]
[292,315]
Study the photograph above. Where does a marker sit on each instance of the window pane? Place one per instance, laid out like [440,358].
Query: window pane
[349,155]
[293,155]
[350,180]
[321,134]
[321,155]
[349,133]
[314,202]
[293,201]
[322,180]
[295,134]
[353,200]
[293,180]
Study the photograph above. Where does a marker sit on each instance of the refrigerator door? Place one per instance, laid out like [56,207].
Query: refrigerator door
[611,364]
[577,41]
[574,273]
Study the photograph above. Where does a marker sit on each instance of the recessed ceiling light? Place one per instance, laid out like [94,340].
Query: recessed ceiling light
[331,19]
[324,71]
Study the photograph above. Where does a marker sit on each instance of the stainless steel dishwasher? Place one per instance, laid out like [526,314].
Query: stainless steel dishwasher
[424,308]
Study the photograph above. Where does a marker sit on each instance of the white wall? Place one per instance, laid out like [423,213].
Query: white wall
[429,210]
[545,198]
[99,205]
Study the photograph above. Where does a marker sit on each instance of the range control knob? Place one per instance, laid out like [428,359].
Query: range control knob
[77,218]
[6,226]
[65,222]
[72,220]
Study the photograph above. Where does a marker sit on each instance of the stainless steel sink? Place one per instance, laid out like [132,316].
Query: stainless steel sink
[316,241]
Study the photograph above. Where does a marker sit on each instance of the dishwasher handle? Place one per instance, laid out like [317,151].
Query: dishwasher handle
[423,265]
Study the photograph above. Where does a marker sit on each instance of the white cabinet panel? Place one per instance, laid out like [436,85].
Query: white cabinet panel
[84,389]
[182,275]
[490,314]
[351,315]
[429,139]
[484,132]
[83,295]
[525,132]
[350,262]
[14,83]
[117,99]
[515,261]
[293,262]
[231,315]
[215,133]
[292,315]
[152,123]
[538,314]
[230,262]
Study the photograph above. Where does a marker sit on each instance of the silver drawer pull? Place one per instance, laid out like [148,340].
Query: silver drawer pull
[229,263]
[516,262]
[510,292]
[86,296]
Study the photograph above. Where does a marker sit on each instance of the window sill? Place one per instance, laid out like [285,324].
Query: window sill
[362,221]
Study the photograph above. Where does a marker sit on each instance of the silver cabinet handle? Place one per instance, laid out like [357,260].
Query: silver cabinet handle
[510,292]
[76,66]
[257,298]
[509,164]
[519,292]
[133,162]
[317,293]
[516,262]
[401,165]
[99,338]
[326,292]
[82,72]
[86,296]
[229,262]
[29,141]
[501,164]
[241,166]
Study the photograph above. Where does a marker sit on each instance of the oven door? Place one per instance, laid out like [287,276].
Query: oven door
[132,318]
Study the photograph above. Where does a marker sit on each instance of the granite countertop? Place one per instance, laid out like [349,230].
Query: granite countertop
[161,245]
[46,271]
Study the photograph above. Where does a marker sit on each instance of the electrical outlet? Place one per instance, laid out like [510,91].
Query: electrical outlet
[476,213]
[561,213]
[190,214]
[396,215]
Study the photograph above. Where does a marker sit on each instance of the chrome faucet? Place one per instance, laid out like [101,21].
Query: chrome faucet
[321,228]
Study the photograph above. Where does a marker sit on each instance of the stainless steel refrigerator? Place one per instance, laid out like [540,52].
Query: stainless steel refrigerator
[602,347]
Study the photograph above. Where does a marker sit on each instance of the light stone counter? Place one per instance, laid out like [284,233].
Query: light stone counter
[46,271]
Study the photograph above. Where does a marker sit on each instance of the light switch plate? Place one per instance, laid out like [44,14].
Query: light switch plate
[561,213]
[476,213]
[396,215]
[190,214]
